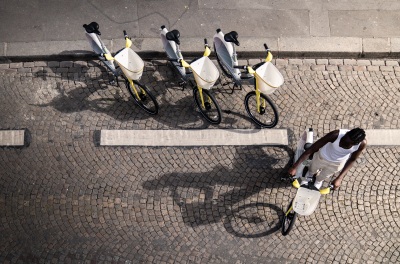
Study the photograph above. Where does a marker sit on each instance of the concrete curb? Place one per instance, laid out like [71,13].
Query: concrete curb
[194,137]
[151,48]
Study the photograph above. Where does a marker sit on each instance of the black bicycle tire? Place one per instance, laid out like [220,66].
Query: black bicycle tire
[256,120]
[292,221]
[199,106]
[221,66]
[139,102]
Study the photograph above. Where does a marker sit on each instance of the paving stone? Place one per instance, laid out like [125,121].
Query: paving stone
[322,61]
[386,68]
[350,62]
[16,65]
[364,62]
[335,61]
[82,203]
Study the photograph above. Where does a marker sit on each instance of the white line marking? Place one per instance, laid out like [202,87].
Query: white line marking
[383,137]
[12,137]
[206,137]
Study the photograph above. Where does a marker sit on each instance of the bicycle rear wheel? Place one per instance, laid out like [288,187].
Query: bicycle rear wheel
[211,110]
[288,220]
[146,100]
[267,117]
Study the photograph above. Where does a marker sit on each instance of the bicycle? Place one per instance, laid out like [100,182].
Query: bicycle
[129,66]
[307,195]
[264,75]
[201,69]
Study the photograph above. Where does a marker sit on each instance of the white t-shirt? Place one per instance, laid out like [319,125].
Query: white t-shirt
[334,153]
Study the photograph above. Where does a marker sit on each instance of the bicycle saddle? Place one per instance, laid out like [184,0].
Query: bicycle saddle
[92,28]
[232,37]
[174,36]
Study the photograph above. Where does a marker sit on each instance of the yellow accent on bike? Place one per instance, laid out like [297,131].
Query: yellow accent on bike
[201,96]
[289,210]
[108,57]
[296,184]
[207,52]
[128,42]
[258,100]
[185,64]
[269,57]
[134,89]
[325,190]
[250,70]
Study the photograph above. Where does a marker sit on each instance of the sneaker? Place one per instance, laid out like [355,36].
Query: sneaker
[307,178]
[318,184]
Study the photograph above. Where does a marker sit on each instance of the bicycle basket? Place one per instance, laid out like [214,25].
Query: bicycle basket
[306,201]
[131,64]
[205,72]
[268,78]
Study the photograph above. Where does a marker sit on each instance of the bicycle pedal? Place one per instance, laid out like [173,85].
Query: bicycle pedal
[112,82]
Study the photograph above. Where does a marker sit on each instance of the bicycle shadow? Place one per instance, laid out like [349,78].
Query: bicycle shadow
[93,92]
[178,99]
[227,194]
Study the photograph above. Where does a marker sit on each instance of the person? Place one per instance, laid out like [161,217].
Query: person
[334,152]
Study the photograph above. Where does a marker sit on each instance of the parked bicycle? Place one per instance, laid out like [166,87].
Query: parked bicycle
[307,196]
[129,67]
[264,75]
[202,70]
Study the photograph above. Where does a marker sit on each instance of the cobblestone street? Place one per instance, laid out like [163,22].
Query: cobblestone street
[65,199]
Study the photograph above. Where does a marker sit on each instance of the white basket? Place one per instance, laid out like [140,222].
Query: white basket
[131,64]
[205,72]
[268,78]
[306,201]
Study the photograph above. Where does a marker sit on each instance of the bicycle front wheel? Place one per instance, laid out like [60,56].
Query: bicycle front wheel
[267,115]
[143,97]
[288,220]
[211,110]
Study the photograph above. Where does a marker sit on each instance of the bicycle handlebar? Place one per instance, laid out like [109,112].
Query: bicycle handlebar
[205,42]
[266,47]
[289,178]
[125,34]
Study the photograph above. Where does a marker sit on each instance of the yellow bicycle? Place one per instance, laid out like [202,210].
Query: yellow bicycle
[129,67]
[202,70]
[264,75]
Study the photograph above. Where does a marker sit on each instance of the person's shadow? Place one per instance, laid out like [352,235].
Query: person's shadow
[222,194]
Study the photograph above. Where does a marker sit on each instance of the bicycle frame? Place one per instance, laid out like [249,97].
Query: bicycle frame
[174,53]
[307,196]
[206,53]
[98,47]
[110,58]
[226,54]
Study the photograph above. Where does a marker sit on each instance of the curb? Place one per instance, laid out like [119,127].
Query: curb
[151,48]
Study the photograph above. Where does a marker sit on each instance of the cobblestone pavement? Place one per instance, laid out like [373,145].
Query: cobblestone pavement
[65,199]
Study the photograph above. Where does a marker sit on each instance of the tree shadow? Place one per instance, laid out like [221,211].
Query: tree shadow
[227,194]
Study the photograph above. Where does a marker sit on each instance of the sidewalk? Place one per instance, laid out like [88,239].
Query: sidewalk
[313,28]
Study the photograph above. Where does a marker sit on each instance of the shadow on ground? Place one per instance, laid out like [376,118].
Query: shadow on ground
[234,196]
